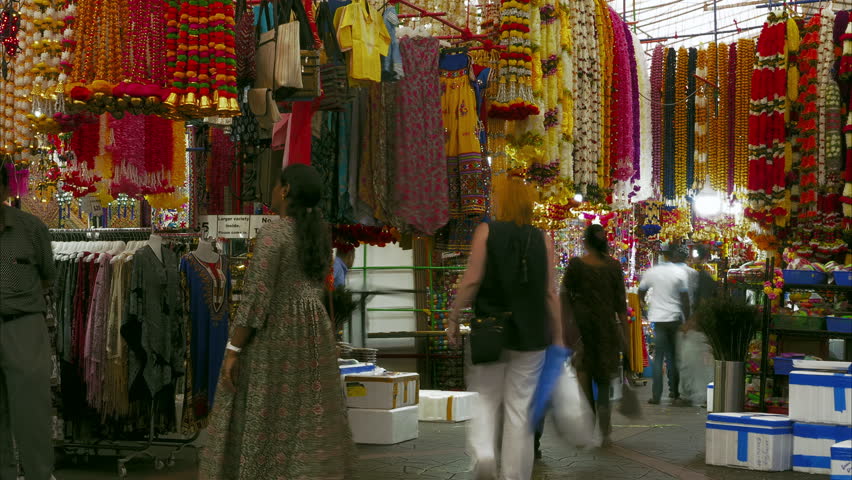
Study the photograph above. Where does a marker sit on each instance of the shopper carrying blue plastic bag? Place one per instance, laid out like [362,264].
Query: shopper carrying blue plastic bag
[554,366]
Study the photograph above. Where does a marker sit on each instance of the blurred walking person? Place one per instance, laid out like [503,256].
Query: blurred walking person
[511,274]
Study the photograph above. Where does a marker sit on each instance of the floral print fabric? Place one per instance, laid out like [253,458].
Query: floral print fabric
[287,419]
[421,188]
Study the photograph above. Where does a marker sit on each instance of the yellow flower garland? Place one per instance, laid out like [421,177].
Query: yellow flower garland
[712,102]
[719,164]
[605,38]
[701,122]
[745,65]
[680,121]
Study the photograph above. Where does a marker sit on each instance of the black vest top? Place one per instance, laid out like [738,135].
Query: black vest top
[507,288]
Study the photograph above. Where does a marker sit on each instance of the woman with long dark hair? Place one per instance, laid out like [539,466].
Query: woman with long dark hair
[594,302]
[279,409]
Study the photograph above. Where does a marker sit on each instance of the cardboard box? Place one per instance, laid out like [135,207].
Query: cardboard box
[386,391]
[438,406]
[384,427]
[841,461]
[812,446]
[754,441]
[821,397]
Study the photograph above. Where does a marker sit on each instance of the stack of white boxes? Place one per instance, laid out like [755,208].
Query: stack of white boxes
[440,406]
[821,407]
[753,441]
[383,407]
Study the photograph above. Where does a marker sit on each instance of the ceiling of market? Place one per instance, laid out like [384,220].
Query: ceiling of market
[677,21]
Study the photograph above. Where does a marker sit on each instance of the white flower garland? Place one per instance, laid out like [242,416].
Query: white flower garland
[646,141]
[825,61]
[587,108]
[566,96]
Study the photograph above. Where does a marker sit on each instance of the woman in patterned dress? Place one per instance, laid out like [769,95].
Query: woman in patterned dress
[279,411]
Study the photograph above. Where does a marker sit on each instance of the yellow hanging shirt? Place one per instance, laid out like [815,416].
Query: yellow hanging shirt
[361,31]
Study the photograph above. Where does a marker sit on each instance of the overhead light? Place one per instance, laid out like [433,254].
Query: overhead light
[707,202]
[578,198]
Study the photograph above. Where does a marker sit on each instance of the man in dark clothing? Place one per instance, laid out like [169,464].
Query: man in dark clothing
[26,271]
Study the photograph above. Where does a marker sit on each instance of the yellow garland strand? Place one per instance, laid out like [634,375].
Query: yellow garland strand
[745,65]
[605,38]
[701,101]
[712,105]
[719,163]
[680,122]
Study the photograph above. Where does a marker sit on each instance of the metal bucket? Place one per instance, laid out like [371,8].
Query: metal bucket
[729,386]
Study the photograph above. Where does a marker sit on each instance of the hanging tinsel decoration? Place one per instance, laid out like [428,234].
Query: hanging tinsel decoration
[680,125]
[690,118]
[669,98]
[657,66]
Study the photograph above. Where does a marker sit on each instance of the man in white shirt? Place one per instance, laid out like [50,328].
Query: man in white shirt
[666,287]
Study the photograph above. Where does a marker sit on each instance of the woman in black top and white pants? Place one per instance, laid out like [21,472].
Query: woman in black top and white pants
[511,270]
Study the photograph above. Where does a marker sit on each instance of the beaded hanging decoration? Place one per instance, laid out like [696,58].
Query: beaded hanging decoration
[690,118]
[680,125]
[515,99]
[657,61]
[668,180]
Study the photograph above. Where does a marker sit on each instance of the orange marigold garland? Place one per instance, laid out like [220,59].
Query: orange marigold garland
[719,160]
[712,108]
[808,117]
[701,102]
[745,65]
[606,39]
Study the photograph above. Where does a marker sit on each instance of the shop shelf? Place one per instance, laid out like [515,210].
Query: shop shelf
[838,324]
[805,277]
[798,322]
[843,279]
[811,333]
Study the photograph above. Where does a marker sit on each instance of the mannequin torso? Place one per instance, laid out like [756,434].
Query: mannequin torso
[205,253]
[156,244]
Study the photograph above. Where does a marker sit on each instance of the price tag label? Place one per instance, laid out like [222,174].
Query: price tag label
[91,205]
[233,226]
[258,221]
[209,226]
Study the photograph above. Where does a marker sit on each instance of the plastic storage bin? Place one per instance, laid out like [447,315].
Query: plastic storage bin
[754,441]
[784,364]
[844,279]
[812,446]
[838,324]
[841,461]
[804,277]
[821,397]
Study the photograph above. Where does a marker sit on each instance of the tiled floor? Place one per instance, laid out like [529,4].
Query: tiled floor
[667,443]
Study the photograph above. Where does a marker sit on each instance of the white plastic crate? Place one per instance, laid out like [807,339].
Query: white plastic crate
[384,427]
[438,406]
[821,397]
[841,461]
[710,388]
[812,446]
[753,441]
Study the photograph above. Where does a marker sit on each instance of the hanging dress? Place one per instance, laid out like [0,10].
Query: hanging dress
[206,289]
[461,125]
[421,187]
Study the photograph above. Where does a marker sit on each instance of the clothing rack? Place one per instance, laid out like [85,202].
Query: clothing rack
[131,449]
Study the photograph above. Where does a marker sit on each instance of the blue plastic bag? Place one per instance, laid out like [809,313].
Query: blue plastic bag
[554,366]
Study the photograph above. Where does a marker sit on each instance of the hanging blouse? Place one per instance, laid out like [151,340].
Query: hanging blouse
[361,31]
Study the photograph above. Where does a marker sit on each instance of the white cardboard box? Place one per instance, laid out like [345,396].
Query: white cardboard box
[438,406]
[753,441]
[841,461]
[384,427]
[386,391]
[812,446]
[821,397]
[710,388]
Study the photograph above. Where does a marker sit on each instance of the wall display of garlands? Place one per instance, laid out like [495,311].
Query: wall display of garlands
[164,57]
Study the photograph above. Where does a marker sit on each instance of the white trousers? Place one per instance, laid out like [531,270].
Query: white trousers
[505,393]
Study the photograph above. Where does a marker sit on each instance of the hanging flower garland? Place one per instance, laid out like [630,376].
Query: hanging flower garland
[719,158]
[606,39]
[680,126]
[767,132]
[808,113]
[515,95]
[621,141]
[568,81]
[587,104]
[825,63]
[551,80]
[745,64]
[701,123]
[646,153]
[656,101]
